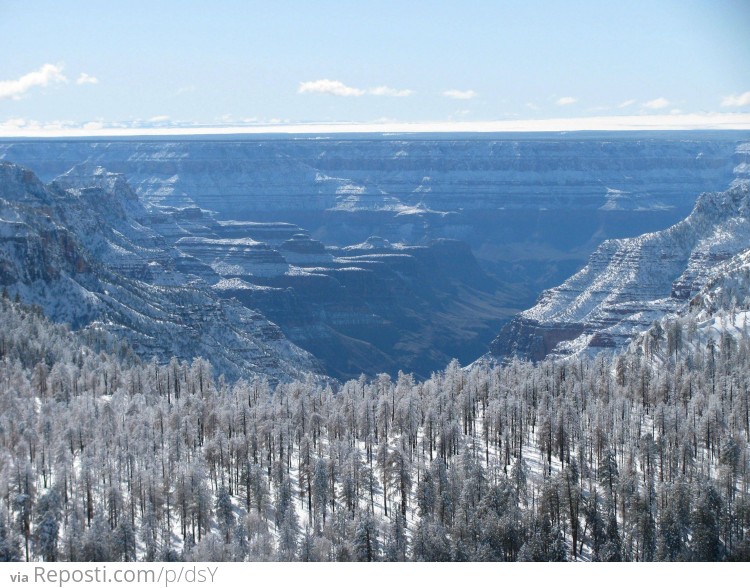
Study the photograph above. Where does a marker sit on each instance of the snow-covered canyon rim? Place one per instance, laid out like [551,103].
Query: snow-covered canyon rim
[411,174]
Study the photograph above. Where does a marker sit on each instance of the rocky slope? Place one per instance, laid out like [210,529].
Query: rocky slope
[78,248]
[178,281]
[630,283]
[715,321]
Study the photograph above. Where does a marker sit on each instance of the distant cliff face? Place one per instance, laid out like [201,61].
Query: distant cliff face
[403,174]
[532,207]
[630,283]
[378,307]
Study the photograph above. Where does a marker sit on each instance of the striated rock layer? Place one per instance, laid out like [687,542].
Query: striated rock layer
[83,249]
[531,206]
[405,174]
[176,281]
[630,283]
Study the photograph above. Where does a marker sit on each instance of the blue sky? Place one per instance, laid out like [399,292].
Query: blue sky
[89,65]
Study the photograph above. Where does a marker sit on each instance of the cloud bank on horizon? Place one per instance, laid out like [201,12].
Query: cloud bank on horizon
[51,75]
[162,125]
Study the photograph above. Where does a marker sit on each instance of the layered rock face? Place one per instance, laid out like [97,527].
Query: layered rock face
[178,282]
[630,283]
[531,206]
[235,258]
[403,174]
[81,248]
[715,319]
[378,306]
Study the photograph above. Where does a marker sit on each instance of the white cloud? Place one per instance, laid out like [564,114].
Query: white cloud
[85,78]
[43,76]
[15,123]
[337,88]
[460,94]
[566,100]
[657,103]
[737,100]
[93,126]
[185,90]
[333,87]
[532,106]
[626,103]
[56,126]
[159,119]
[386,91]
[29,127]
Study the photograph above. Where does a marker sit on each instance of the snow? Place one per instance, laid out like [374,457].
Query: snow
[238,284]
[628,283]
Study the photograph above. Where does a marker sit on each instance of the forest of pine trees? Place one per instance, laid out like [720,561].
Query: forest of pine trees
[104,457]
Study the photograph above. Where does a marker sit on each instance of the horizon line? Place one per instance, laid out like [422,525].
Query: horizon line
[671,122]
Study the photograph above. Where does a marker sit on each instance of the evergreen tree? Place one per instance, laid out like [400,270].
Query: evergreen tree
[10,546]
[595,524]
[397,541]
[705,544]
[366,545]
[430,542]
[611,551]
[97,542]
[124,541]
[289,535]
[225,513]
[47,525]
[149,533]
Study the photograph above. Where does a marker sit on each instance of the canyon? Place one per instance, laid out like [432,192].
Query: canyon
[378,253]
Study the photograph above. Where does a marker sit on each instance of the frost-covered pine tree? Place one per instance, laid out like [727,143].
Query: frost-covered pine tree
[225,513]
[366,541]
[47,525]
[10,546]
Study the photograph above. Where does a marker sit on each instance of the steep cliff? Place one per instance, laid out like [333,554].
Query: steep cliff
[77,248]
[403,174]
[630,283]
